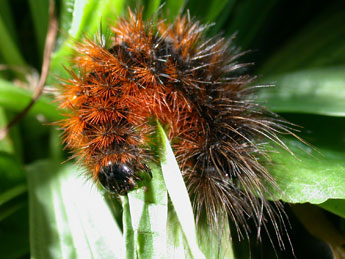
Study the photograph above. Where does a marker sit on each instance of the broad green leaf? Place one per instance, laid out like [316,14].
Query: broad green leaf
[321,131]
[316,91]
[69,217]
[14,98]
[335,206]
[309,176]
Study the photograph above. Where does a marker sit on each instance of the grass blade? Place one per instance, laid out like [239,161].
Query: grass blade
[178,193]
[39,14]
[8,48]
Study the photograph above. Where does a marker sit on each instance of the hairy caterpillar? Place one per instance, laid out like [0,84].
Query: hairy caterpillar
[194,86]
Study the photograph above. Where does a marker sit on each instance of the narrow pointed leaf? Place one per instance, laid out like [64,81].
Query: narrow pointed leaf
[178,193]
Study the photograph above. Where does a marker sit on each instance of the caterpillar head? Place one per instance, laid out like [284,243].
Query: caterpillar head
[118,178]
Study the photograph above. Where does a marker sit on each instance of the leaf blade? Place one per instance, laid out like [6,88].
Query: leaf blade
[178,193]
[315,91]
[309,176]
[68,219]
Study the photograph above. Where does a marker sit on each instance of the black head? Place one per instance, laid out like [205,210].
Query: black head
[118,178]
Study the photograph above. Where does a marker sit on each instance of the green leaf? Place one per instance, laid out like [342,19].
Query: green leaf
[153,228]
[320,43]
[81,17]
[12,142]
[214,8]
[146,206]
[208,11]
[215,244]
[12,193]
[150,7]
[68,217]
[7,17]
[56,147]
[12,200]
[335,206]
[178,193]
[65,19]
[39,14]
[309,176]
[247,19]
[14,98]
[8,48]
[14,234]
[11,172]
[181,214]
[176,240]
[316,91]
[128,231]
[10,210]
[6,144]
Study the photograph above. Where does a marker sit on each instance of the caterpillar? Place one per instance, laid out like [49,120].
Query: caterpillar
[192,84]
